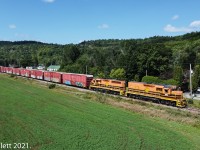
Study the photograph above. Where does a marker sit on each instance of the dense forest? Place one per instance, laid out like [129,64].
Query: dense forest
[159,56]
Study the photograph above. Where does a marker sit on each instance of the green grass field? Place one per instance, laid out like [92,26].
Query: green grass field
[62,119]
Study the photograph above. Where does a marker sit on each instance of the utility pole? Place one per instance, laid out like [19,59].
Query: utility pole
[86,69]
[190,81]
[146,72]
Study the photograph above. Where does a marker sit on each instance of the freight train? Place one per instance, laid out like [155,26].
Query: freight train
[139,90]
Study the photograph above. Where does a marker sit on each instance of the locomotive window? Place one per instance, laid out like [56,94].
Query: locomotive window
[159,89]
[166,90]
[117,82]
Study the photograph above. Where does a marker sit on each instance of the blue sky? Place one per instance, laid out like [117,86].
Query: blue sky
[73,21]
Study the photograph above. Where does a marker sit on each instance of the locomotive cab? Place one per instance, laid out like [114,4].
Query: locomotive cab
[166,91]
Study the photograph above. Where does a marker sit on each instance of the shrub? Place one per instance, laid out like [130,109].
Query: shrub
[52,86]
[117,73]
[12,75]
[190,101]
[156,80]
[151,79]
[170,82]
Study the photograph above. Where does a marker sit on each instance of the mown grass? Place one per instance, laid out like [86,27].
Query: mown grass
[70,119]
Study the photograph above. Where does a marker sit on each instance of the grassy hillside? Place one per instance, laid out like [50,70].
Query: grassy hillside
[64,119]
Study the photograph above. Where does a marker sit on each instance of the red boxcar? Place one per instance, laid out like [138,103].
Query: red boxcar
[22,71]
[80,80]
[47,75]
[27,73]
[37,74]
[56,77]
[16,71]
[5,69]
[1,69]
[9,70]
[33,74]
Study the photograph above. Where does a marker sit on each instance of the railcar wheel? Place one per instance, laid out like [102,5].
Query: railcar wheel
[173,104]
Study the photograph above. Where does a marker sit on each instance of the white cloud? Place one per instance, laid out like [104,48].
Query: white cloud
[103,26]
[12,26]
[170,28]
[195,24]
[49,1]
[175,17]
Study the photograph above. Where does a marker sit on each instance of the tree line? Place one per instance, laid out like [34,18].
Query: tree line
[159,56]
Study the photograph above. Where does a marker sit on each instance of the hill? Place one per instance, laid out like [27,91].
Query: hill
[158,55]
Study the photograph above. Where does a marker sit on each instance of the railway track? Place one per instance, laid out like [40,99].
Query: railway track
[192,110]
[189,109]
